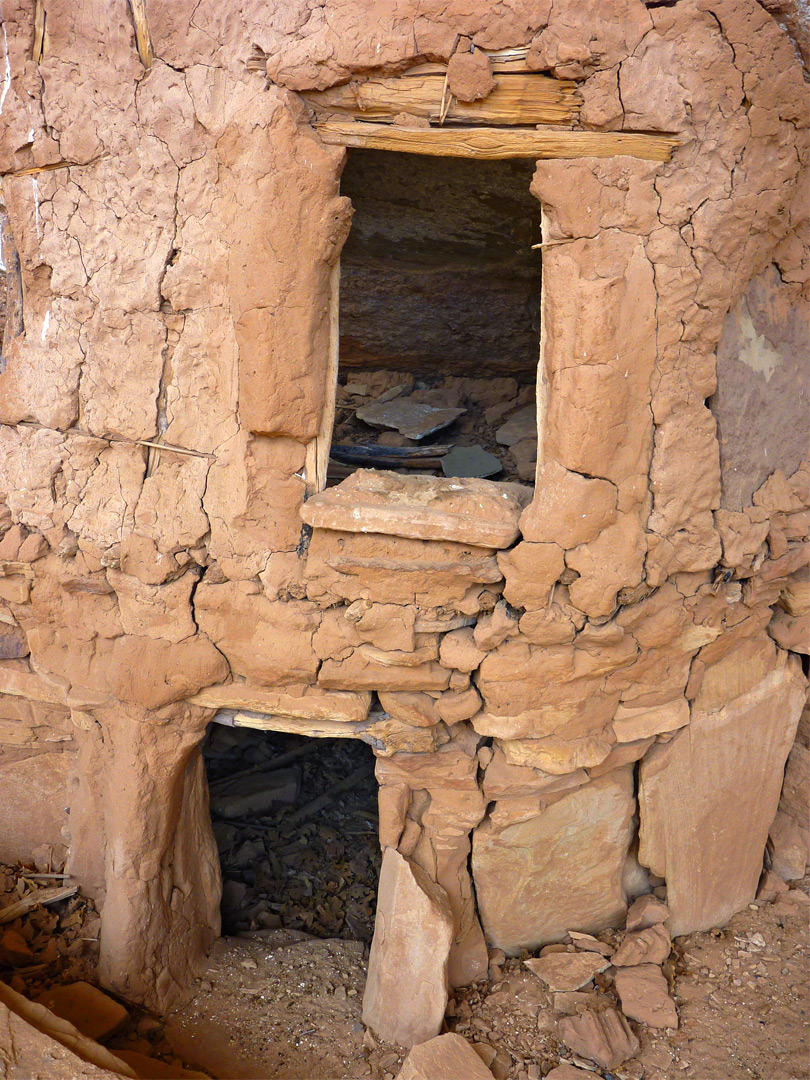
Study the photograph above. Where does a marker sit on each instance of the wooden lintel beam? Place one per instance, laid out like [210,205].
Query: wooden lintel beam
[520,99]
[497,143]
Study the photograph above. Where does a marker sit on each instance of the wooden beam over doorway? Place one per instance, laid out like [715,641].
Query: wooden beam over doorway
[496,143]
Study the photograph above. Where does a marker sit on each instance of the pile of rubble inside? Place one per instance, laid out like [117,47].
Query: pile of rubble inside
[441,426]
[295,821]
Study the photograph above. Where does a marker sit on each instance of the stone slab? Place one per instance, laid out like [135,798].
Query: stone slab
[708,797]
[407,985]
[470,461]
[91,1011]
[558,870]
[447,1057]
[521,425]
[567,971]
[413,419]
[33,796]
[305,703]
[645,996]
[470,511]
[604,1037]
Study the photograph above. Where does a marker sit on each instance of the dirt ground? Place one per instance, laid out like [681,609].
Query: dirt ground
[278,1004]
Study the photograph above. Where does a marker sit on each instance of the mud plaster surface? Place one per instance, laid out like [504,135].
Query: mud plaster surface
[177,253]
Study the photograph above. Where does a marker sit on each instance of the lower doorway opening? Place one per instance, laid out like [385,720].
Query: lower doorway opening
[296,825]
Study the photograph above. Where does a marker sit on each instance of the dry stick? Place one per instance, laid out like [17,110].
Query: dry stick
[311,808]
[142,39]
[41,898]
[39,31]
[269,766]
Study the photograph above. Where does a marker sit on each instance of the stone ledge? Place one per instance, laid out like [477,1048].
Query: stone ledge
[468,511]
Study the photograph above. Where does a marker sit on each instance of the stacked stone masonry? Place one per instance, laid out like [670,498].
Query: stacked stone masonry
[572,682]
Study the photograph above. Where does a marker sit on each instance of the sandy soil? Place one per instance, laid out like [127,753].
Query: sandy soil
[277,1004]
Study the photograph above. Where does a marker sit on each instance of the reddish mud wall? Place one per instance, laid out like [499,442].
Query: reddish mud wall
[177,228]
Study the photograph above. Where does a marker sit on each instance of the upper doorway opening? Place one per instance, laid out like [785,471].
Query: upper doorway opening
[439,316]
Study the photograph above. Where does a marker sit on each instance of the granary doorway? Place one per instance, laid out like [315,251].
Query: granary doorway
[439,318]
[295,820]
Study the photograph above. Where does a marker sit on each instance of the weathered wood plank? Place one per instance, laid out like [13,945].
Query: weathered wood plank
[517,99]
[497,143]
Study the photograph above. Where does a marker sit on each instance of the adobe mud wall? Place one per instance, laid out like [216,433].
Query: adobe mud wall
[573,682]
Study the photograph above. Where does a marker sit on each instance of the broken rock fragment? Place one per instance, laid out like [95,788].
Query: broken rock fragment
[646,911]
[603,1037]
[645,996]
[447,1057]
[567,971]
[407,985]
[94,1013]
[410,418]
[650,946]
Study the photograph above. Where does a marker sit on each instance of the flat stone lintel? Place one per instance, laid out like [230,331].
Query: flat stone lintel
[467,510]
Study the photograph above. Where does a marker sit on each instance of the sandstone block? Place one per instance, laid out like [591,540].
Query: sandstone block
[299,701]
[387,626]
[568,1072]
[141,559]
[644,996]
[398,570]
[622,754]
[33,795]
[788,846]
[407,987]
[94,1013]
[646,911]
[414,708]
[560,869]
[567,971]
[447,1057]
[630,724]
[493,629]
[465,510]
[603,1037]
[649,946]
[454,707]
[358,673]
[790,631]
[702,828]
[458,650]
[555,754]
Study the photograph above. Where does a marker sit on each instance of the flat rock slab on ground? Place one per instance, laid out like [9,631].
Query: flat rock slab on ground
[567,971]
[645,996]
[522,425]
[447,1057]
[603,1037]
[470,461]
[410,418]
[468,511]
[91,1011]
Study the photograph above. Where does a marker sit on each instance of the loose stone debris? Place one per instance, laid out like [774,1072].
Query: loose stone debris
[486,427]
[296,852]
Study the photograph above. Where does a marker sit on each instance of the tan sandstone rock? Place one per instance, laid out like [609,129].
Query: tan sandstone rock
[406,989]
[426,508]
[646,911]
[565,865]
[447,1057]
[644,996]
[604,1037]
[708,797]
[567,971]
[649,946]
